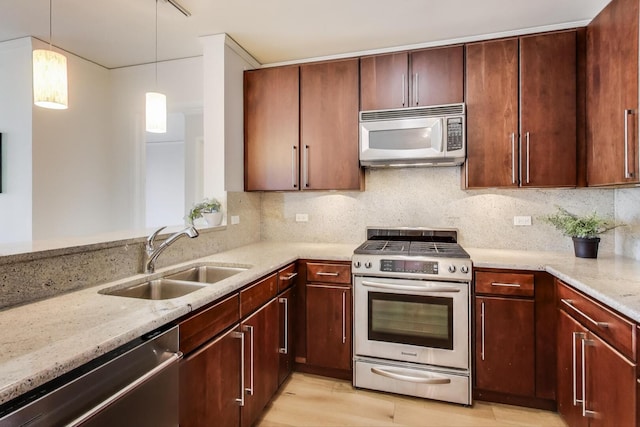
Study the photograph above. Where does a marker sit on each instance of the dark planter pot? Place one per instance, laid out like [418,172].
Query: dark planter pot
[586,247]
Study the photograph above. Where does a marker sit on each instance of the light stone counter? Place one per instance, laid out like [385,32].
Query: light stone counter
[613,280]
[45,339]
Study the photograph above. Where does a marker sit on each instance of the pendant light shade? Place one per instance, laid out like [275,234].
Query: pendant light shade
[50,77]
[156,108]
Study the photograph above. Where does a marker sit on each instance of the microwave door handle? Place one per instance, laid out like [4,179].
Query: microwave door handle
[437,136]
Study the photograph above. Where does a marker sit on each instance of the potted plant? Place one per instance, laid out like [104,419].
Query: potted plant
[584,230]
[209,209]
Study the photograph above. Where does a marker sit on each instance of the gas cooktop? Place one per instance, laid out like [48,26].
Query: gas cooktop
[412,242]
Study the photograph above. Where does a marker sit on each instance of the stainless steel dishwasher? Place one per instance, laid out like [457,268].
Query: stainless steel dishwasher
[134,385]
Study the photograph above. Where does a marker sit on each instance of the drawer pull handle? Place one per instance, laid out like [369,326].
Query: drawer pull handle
[506,285]
[569,303]
[402,376]
[288,276]
[322,273]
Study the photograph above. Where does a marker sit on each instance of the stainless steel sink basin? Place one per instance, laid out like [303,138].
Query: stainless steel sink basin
[156,289]
[206,274]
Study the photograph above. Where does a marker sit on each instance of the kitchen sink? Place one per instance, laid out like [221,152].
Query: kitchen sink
[206,274]
[156,289]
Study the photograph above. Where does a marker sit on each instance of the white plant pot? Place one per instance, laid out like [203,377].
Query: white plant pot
[213,218]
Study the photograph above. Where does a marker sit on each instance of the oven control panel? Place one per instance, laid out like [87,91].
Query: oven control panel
[403,266]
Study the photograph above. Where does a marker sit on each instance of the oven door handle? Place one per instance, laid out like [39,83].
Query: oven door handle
[428,288]
[401,375]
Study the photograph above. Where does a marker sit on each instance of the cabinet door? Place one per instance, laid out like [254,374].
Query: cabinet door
[569,355]
[329,126]
[437,76]
[612,90]
[548,110]
[210,384]
[271,120]
[287,309]
[329,326]
[384,81]
[261,361]
[611,385]
[492,114]
[505,356]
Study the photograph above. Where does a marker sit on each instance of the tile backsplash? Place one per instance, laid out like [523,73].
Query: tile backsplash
[432,197]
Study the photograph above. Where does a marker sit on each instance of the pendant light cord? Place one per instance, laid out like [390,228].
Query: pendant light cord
[156,44]
[50,20]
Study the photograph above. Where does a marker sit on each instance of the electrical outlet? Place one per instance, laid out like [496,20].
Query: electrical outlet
[235,219]
[302,217]
[522,220]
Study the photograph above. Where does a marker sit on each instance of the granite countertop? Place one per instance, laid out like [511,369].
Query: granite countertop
[45,339]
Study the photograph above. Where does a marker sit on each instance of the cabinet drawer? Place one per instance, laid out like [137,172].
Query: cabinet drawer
[258,294]
[494,283]
[611,327]
[203,326]
[328,273]
[287,277]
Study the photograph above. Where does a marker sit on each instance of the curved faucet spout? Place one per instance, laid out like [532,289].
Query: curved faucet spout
[152,252]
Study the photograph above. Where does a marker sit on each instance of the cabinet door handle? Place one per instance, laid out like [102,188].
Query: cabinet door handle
[322,273]
[528,156]
[285,349]
[240,335]
[569,303]
[482,330]
[306,166]
[294,178]
[403,90]
[250,389]
[627,173]
[575,335]
[417,89]
[288,276]
[585,411]
[506,285]
[513,157]
[344,317]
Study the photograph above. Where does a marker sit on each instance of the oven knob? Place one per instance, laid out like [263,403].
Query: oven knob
[356,264]
[452,268]
[464,269]
[367,264]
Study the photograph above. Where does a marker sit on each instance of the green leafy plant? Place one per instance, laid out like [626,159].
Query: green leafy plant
[205,206]
[587,226]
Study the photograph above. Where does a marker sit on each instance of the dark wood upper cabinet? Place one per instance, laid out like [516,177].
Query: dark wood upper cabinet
[329,157]
[410,79]
[548,110]
[521,112]
[271,126]
[612,95]
[492,114]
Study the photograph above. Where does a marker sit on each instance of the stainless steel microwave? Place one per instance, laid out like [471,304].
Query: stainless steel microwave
[419,136]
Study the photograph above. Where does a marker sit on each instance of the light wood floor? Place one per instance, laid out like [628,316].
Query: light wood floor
[308,400]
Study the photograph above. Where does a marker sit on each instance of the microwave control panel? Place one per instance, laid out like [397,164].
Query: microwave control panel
[454,134]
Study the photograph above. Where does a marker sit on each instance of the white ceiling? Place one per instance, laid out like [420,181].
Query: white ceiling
[116,33]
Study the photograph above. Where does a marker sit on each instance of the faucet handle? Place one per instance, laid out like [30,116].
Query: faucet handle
[153,236]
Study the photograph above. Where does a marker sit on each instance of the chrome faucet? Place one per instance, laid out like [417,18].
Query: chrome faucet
[153,252]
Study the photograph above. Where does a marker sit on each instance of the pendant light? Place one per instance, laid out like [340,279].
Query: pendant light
[49,76]
[156,103]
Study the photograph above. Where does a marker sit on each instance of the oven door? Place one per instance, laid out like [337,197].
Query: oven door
[412,320]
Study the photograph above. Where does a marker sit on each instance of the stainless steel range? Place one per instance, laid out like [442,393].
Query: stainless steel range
[412,322]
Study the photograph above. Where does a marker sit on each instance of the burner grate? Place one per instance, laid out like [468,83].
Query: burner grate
[437,249]
[384,246]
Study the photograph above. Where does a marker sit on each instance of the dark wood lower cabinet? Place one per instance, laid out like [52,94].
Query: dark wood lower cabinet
[261,361]
[210,384]
[329,326]
[596,384]
[287,323]
[505,346]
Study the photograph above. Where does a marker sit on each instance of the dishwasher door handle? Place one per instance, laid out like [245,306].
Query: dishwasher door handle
[173,359]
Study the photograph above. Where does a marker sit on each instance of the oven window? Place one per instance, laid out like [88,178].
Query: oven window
[411,319]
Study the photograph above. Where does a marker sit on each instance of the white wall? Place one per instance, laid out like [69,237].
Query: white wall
[73,188]
[182,82]
[15,126]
